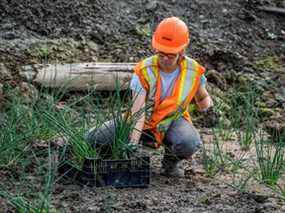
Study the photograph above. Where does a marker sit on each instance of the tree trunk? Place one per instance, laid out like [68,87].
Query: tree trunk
[82,76]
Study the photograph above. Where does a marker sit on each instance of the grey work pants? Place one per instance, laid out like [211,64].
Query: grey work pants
[182,140]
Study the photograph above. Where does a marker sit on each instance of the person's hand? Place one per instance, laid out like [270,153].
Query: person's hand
[213,116]
[209,118]
[130,149]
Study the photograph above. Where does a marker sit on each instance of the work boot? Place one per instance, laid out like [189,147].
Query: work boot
[193,167]
[172,167]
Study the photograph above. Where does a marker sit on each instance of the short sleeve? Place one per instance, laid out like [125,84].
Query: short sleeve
[203,80]
[136,85]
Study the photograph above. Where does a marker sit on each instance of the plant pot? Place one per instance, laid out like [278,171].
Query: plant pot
[133,172]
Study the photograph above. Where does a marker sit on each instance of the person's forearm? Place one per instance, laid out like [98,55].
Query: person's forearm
[203,99]
[138,114]
[136,133]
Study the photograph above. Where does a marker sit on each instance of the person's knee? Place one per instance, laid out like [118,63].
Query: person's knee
[184,139]
[187,147]
[90,135]
[101,136]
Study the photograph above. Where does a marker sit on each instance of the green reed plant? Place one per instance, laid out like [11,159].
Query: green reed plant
[65,127]
[223,128]
[248,133]
[244,114]
[23,127]
[280,190]
[209,162]
[213,159]
[240,182]
[39,119]
[25,123]
[14,136]
[69,121]
[118,113]
[18,202]
[236,163]
[270,159]
[12,148]
[124,125]
[73,128]
[32,197]
[217,159]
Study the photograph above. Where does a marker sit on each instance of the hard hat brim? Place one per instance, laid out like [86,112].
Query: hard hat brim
[167,49]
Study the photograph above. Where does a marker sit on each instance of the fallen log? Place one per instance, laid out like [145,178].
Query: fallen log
[275,10]
[80,76]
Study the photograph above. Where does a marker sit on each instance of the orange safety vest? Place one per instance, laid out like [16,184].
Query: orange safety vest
[160,114]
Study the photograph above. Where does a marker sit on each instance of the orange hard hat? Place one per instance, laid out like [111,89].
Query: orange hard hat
[171,36]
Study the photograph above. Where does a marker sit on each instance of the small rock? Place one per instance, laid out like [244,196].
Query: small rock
[266,112]
[4,73]
[28,92]
[93,46]
[275,127]
[269,206]
[259,198]
[217,78]
[148,202]
[155,201]
[58,188]
[1,90]
[9,35]
[244,79]
[93,209]
[205,199]
[151,5]
[282,91]
[52,209]
[2,96]
[59,141]
[3,119]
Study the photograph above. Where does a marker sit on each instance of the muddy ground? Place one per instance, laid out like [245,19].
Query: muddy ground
[195,193]
[231,38]
[224,31]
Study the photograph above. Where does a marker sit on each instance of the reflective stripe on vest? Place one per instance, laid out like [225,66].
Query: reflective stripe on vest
[160,114]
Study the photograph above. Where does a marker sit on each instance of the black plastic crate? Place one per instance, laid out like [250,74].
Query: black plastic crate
[117,173]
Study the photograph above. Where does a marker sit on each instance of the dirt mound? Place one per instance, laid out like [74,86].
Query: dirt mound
[123,28]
